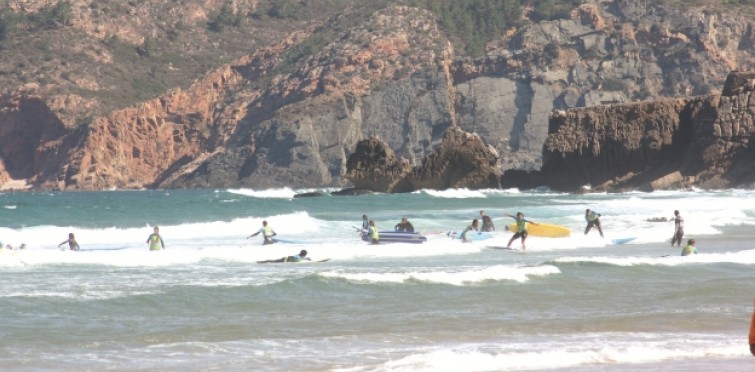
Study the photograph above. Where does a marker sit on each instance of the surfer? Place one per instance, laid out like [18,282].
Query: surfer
[72,244]
[302,256]
[155,240]
[678,229]
[521,229]
[690,248]
[487,222]
[267,234]
[404,226]
[593,219]
[365,223]
[472,227]
[372,233]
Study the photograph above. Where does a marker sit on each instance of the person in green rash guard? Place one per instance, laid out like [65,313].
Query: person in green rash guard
[372,233]
[267,234]
[690,248]
[302,256]
[155,240]
[521,229]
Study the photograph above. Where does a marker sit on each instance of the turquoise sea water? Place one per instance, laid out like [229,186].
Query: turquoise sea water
[576,303]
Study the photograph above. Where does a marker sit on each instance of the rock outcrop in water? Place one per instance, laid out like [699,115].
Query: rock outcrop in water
[462,160]
[674,143]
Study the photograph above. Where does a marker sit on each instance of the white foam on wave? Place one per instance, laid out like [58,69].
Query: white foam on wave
[740,257]
[455,193]
[281,193]
[588,350]
[456,276]
[9,206]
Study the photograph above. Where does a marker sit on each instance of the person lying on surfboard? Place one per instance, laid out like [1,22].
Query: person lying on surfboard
[302,256]
[521,229]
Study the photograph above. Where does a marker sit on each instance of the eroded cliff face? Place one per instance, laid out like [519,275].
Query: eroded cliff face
[675,143]
[268,120]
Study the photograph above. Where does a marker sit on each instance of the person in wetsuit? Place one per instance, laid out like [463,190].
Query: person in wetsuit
[404,226]
[678,229]
[487,222]
[267,234]
[472,227]
[593,219]
[72,244]
[302,256]
[155,240]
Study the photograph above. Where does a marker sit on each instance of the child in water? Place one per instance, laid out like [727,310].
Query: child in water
[690,248]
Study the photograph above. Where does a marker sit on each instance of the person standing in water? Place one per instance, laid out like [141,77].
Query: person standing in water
[487,222]
[593,219]
[678,229]
[72,244]
[404,226]
[267,234]
[472,227]
[365,223]
[690,248]
[155,240]
[372,233]
[521,229]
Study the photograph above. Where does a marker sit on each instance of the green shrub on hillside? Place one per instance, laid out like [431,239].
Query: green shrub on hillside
[225,17]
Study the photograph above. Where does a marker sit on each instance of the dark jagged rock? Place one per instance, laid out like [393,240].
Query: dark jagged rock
[462,160]
[309,194]
[351,191]
[666,144]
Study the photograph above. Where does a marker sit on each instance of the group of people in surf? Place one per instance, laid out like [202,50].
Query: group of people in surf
[592,218]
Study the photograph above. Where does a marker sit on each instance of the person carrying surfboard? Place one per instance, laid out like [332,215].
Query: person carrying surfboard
[472,227]
[521,229]
[487,222]
[267,234]
[678,229]
[302,256]
[593,219]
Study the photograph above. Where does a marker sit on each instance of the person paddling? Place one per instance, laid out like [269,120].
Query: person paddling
[302,256]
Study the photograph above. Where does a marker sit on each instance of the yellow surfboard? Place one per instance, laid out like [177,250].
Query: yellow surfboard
[545,230]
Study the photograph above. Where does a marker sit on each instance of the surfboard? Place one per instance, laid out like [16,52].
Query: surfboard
[299,262]
[544,230]
[623,240]
[287,241]
[501,248]
[471,235]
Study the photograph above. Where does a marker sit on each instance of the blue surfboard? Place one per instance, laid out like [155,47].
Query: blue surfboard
[623,240]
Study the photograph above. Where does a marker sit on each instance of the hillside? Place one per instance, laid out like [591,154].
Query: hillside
[99,94]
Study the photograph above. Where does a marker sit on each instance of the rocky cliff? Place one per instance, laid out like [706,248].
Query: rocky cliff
[289,112]
[674,143]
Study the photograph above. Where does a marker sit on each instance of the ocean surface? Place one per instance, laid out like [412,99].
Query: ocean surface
[204,304]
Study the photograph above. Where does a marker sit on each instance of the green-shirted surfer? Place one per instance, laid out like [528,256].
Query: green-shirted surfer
[267,234]
[521,229]
[155,240]
[690,248]
[372,233]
